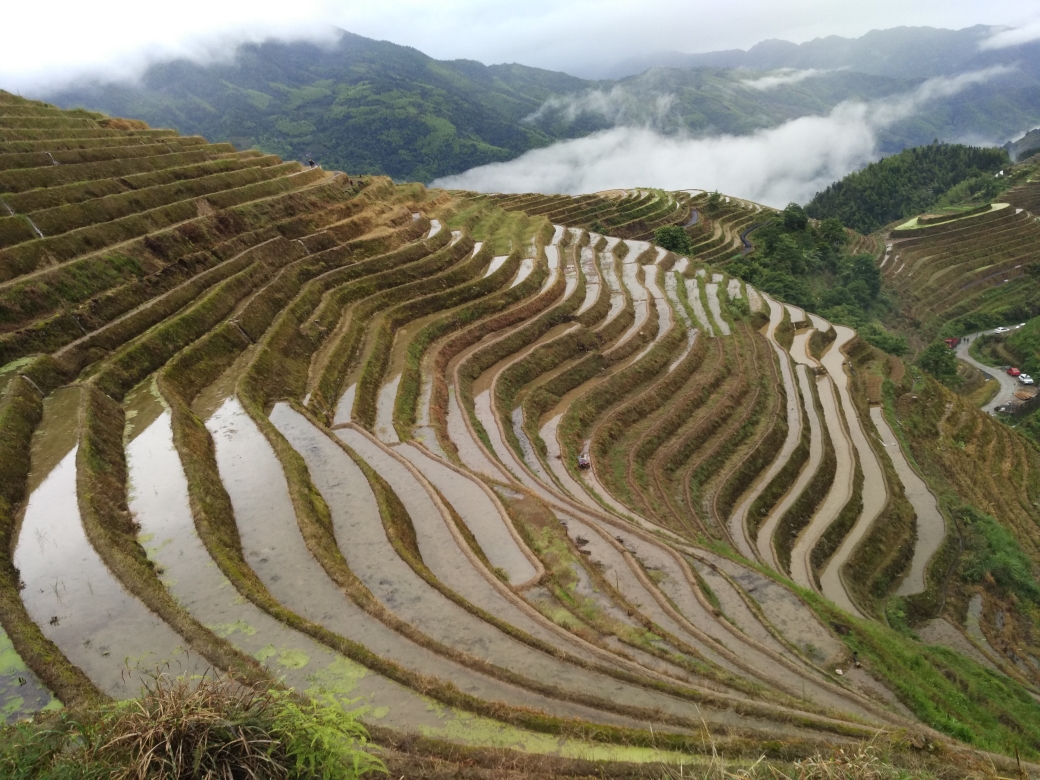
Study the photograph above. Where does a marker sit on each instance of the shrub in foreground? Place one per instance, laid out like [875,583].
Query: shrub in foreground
[182,728]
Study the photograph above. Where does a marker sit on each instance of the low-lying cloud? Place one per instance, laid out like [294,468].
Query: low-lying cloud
[1007,37]
[782,78]
[776,166]
[619,106]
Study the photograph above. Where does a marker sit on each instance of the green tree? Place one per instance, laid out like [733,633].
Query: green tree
[674,239]
[939,361]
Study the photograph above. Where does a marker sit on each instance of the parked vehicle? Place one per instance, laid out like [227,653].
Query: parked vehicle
[1025,379]
[1013,371]
[1002,329]
[584,462]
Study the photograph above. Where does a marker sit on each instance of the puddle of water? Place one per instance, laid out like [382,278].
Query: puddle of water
[141,408]
[345,407]
[77,602]
[931,528]
[693,295]
[671,288]
[435,228]
[608,271]
[385,430]
[800,348]
[765,531]
[797,315]
[483,516]
[21,692]
[486,415]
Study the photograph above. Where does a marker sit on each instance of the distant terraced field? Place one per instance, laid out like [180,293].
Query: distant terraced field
[301,427]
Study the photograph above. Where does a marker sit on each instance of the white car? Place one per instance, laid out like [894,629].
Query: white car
[1002,330]
[1025,379]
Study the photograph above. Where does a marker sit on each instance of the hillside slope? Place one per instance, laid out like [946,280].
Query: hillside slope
[325,432]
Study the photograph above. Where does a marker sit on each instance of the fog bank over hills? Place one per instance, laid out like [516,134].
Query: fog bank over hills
[375,107]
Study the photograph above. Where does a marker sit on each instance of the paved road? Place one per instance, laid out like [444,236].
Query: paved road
[1008,385]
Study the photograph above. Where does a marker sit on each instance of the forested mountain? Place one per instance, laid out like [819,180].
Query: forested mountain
[373,107]
[910,182]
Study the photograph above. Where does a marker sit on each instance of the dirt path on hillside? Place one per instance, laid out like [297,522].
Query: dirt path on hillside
[875,494]
[931,528]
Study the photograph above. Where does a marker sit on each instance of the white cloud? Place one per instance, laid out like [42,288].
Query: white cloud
[619,106]
[782,77]
[1006,37]
[787,163]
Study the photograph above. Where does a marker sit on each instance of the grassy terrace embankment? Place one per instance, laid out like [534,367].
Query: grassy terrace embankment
[356,409]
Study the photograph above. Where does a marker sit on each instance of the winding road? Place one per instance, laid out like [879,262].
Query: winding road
[1008,385]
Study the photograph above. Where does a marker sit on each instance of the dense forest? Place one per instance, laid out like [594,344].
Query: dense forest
[908,183]
[809,265]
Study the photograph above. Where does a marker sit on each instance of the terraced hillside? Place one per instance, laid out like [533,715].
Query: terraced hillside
[327,433]
[965,272]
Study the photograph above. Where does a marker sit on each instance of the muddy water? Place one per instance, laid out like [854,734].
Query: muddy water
[592,279]
[441,553]
[712,291]
[819,322]
[837,496]
[787,613]
[482,514]
[527,451]
[738,520]
[345,407]
[768,527]
[273,545]
[665,318]
[77,602]
[734,607]
[674,583]
[931,528]
[875,493]
[435,228]
[972,624]
[941,632]
[471,455]
[554,458]
[385,430]
[21,693]
[160,505]
[618,573]
[570,273]
[693,295]
[595,488]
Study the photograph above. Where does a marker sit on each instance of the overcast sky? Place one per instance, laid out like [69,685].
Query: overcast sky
[50,43]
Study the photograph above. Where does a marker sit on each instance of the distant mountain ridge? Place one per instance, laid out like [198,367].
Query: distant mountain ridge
[375,107]
[900,52]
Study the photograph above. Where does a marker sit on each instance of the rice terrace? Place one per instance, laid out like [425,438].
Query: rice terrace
[528,485]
